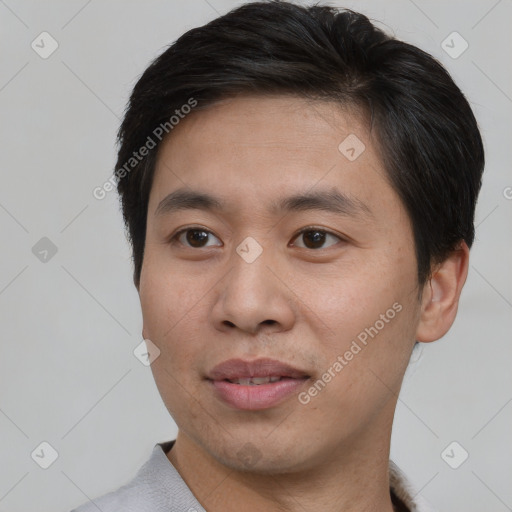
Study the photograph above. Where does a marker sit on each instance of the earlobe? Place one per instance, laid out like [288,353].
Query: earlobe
[441,295]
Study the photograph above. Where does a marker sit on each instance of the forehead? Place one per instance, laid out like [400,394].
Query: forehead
[289,127]
[270,146]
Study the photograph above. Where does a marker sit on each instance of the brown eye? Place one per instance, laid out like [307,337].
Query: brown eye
[195,238]
[316,238]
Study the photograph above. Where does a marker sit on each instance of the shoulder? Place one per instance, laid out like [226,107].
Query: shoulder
[157,487]
[129,498]
[405,493]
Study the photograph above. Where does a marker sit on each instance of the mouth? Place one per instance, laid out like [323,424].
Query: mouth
[255,385]
[256,381]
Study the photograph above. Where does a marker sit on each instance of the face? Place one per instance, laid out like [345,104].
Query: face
[301,254]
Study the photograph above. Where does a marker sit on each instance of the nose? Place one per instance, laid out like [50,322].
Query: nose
[253,297]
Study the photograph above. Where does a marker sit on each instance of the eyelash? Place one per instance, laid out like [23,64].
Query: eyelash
[174,238]
[320,230]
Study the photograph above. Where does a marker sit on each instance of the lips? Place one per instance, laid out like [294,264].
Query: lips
[234,369]
[255,385]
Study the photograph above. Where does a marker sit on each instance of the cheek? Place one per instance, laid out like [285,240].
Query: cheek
[350,297]
[171,306]
[364,360]
[365,314]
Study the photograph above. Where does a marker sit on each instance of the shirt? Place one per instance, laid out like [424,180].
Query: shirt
[158,487]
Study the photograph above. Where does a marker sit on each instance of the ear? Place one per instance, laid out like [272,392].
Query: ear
[441,293]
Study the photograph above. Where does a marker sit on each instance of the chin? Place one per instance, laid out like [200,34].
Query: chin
[260,456]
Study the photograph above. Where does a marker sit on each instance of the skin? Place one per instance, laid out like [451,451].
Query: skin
[304,306]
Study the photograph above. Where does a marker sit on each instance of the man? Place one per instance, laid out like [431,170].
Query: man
[299,190]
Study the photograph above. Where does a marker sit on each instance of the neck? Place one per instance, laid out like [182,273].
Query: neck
[355,477]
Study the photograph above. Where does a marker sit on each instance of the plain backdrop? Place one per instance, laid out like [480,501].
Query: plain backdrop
[70,316]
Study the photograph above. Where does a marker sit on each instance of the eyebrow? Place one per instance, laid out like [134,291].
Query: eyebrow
[328,200]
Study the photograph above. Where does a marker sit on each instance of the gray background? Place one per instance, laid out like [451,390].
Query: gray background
[68,375]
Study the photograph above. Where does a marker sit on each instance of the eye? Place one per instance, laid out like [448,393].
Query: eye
[315,238]
[195,238]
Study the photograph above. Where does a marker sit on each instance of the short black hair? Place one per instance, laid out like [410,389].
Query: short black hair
[427,135]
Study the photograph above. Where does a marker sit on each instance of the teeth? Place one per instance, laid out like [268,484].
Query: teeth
[260,380]
[255,381]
